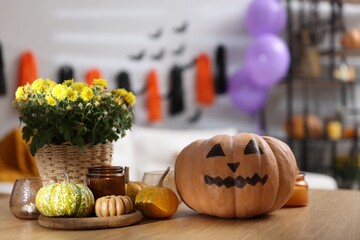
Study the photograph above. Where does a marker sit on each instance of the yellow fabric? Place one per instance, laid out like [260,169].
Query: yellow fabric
[16,160]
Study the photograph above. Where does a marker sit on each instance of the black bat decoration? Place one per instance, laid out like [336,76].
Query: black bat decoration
[180,50]
[138,56]
[159,55]
[157,34]
[182,28]
[196,117]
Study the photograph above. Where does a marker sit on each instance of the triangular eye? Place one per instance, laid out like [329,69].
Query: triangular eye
[216,151]
[252,148]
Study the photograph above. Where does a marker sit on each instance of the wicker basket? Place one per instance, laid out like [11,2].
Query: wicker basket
[53,161]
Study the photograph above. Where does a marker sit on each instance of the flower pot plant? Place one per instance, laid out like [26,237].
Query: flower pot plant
[72,115]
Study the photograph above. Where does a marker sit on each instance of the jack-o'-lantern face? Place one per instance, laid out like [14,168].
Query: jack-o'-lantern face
[238,181]
[235,176]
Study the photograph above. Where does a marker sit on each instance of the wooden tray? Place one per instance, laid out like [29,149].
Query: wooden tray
[90,222]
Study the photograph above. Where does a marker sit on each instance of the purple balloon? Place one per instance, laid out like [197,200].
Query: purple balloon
[265,16]
[267,60]
[244,95]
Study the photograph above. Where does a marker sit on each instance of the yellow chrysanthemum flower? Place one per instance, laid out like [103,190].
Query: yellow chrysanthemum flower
[100,82]
[37,85]
[78,86]
[72,95]
[19,94]
[50,101]
[121,92]
[59,92]
[130,99]
[48,85]
[87,94]
[68,82]
[119,101]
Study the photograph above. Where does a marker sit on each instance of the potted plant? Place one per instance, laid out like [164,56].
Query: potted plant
[71,125]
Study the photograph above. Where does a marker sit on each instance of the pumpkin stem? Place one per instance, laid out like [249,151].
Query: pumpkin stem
[161,180]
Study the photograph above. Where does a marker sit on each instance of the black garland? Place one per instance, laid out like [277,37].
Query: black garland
[65,73]
[2,75]
[123,81]
[220,70]
[176,95]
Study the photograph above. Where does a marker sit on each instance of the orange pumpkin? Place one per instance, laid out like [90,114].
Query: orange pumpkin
[351,39]
[157,201]
[237,176]
[294,126]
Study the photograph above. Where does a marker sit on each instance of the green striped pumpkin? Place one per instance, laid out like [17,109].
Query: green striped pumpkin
[65,200]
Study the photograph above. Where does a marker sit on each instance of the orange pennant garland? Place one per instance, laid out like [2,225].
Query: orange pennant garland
[205,90]
[27,69]
[91,74]
[153,97]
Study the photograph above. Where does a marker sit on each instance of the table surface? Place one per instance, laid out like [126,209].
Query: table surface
[331,214]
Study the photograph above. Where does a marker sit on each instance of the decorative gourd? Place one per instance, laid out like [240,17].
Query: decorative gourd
[237,176]
[110,206]
[157,201]
[294,126]
[351,39]
[133,188]
[65,200]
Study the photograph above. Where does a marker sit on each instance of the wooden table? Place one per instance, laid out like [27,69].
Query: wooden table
[330,215]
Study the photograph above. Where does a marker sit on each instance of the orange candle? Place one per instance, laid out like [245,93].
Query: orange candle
[299,197]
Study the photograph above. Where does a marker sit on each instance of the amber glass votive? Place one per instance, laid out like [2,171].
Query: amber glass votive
[300,195]
[106,180]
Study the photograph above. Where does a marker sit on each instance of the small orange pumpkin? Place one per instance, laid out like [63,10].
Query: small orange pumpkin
[294,126]
[157,201]
[351,39]
[236,176]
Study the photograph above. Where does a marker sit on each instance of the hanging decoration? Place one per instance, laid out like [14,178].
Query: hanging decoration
[267,60]
[220,70]
[65,73]
[123,81]
[153,97]
[244,95]
[27,68]
[2,74]
[181,29]
[91,74]
[204,86]
[176,95]
[265,16]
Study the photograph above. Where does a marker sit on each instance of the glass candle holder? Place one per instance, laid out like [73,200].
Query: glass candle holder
[300,195]
[105,181]
[22,199]
[334,130]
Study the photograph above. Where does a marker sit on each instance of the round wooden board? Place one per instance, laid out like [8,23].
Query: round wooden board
[90,222]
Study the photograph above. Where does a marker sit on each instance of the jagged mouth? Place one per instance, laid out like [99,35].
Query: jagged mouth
[238,182]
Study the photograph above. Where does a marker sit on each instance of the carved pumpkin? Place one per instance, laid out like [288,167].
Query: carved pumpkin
[236,176]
